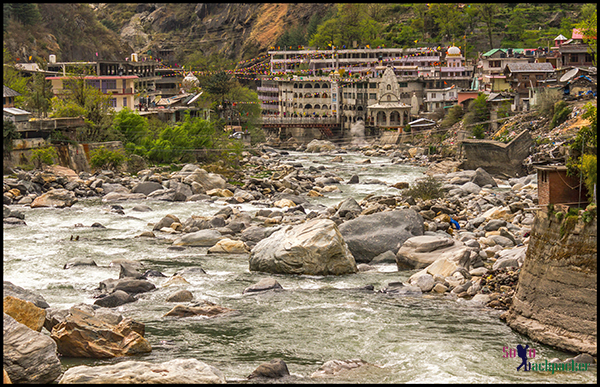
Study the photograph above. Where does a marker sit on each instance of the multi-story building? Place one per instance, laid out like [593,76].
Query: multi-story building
[344,83]
[120,86]
[116,77]
[490,67]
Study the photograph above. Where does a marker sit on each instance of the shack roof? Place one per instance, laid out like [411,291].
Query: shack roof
[8,92]
[544,67]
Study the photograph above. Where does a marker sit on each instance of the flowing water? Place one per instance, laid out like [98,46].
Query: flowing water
[425,339]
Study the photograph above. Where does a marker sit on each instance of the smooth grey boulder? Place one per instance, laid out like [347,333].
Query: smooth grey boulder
[203,238]
[313,248]
[421,251]
[146,187]
[114,299]
[370,235]
[482,178]
[349,206]
[180,296]
[263,285]
[166,221]
[28,356]
[74,262]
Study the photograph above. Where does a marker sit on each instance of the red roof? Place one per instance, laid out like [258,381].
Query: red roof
[578,35]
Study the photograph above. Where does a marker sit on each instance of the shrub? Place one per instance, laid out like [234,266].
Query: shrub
[44,156]
[103,158]
[478,131]
[561,113]
[427,188]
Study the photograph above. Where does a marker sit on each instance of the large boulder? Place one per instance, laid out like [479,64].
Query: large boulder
[25,312]
[421,251]
[114,299]
[203,238]
[482,178]
[316,146]
[194,174]
[203,308]
[28,356]
[314,248]
[274,369]
[84,335]
[370,235]
[146,187]
[177,371]
[10,289]
[229,246]
[55,198]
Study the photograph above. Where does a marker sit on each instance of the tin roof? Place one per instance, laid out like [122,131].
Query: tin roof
[8,92]
[530,67]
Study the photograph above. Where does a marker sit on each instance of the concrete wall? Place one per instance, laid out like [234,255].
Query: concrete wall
[555,302]
[496,157]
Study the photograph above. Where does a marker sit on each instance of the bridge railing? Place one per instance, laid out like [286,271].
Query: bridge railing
[299,120]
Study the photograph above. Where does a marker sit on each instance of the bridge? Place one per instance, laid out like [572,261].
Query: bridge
[328,126]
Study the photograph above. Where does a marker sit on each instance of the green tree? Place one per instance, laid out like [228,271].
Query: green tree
[39,95]
[10,133]
[516,25]
[218,85]
[131,127]
[487,13]
[478,112]
[81,99]
[584,150]
[44,156]
[102,158]
[449,19]
[589,28]
[26,13]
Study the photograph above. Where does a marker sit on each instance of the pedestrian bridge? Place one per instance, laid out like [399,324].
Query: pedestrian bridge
[328,126]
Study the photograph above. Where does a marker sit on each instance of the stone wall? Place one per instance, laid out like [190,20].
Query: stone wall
[496,157]
[555,302]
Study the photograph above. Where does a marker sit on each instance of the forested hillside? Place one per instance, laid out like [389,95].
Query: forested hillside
[191,32]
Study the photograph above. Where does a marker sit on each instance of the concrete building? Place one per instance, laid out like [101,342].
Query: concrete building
[556,187]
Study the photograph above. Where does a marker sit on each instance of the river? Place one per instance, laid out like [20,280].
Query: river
[425,339]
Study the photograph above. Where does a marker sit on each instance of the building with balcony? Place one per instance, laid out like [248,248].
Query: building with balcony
[490,75]
[345,83]
[121,87]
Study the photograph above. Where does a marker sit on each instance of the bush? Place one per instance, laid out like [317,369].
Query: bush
[44,156]
[478,131]
[561,113]
[427,188]
[103,158]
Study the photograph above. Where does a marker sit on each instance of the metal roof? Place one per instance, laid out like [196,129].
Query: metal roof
[16,111]
[8,92]
[530,67]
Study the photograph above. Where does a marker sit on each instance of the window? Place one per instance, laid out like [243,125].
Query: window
[113,102]
[432,95]
[110,84]
[389,87]
[124,102]
[372,96]
[403,84]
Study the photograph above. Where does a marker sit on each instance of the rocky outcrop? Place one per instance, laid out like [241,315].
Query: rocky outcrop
[313,248]
[28,356]
[556,299]
[25,312]
[177,371]
[82,334]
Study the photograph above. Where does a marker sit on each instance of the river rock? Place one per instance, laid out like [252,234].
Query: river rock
[205,308]
[274,369]
[349,208]
[9,289]
[84,335]
[317,146]
[28,356]
[263,285]
[180,296]
[129,271]
[127,285]
[55,198]
[334,368]
[370,235]
[420,251]
[114,299]
[121,196]
[205,238]
[482,178]
[315,247]
[74,262]
[146,187]
[25,312]
[177,371]
[229,246]
[425,282]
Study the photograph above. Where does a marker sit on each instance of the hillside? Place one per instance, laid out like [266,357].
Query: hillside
[239,31]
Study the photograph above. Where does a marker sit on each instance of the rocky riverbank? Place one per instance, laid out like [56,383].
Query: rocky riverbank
[469,244]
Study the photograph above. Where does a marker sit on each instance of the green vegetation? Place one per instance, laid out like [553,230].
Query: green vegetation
[10,133]
[102,158]
[478,113]
[561,114]
[583,157]
[44,156]
[427,188]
